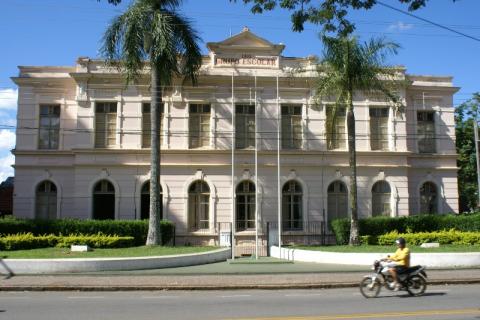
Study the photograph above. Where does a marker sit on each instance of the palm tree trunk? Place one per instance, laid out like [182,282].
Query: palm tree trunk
[352,153]
[154,236]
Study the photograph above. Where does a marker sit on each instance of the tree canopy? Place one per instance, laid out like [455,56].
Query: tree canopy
[330,14]
[465,142]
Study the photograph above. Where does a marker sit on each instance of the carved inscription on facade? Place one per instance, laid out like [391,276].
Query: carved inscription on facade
[247,60]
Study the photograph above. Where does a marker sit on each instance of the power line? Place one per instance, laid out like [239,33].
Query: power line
[428,21]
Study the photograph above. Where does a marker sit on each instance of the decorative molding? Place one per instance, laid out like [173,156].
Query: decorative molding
[292,175]
[104,173]
[246,175]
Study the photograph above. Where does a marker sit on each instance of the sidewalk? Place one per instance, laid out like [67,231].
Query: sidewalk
[221,276]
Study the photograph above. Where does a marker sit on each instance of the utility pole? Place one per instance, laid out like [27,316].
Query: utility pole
[475,128]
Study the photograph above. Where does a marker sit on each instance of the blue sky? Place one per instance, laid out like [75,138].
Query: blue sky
[57,32]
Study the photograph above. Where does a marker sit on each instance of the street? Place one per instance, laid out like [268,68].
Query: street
[440,302]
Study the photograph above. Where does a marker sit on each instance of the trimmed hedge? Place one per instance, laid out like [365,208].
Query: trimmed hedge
[442,237]
[25,241]
[377,226]
[134,228]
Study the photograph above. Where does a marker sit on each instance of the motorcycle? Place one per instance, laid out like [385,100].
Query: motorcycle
[413,280]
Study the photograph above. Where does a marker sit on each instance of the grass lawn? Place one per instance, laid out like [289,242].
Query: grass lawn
[50,253]
[391,249]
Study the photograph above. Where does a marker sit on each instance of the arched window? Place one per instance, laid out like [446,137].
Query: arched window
[337,201]
[292,217]
[46,201]
[245,205]
[103,201]
[145,201]
[428,198]
[381,195]
[198,205]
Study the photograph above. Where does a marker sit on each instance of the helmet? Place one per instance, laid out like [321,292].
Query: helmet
[400,241]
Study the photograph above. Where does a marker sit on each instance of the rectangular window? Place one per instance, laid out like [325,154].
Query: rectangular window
[379,128]
[336,129]
[105,124]
[426,132]
[49,128]
[244,126]
[147,125]
[199,125]
[291,126]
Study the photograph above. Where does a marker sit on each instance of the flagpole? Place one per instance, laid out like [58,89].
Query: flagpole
[256,171]
[279,199]
[232,240]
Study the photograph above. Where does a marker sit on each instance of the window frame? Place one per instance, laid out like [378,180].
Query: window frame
[379,118]
[53,131]
[199,115]
[426,131]
[334,139]
[291,118]
[109,118]
[245,136]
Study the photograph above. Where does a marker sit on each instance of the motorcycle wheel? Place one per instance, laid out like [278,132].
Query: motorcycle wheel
[369,288]
[416,285]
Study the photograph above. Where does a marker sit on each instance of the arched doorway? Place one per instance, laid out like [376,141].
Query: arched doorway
[292,202]
[381,198]
[198,205]
[46,200]
[103,200]
[428,198]
[245,205]
[337,199]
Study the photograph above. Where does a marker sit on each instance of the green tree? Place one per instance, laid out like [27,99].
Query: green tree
[330,14]
[348,67]
[465,143]
[152,34]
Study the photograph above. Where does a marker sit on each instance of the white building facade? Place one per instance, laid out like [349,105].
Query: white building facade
[83,142]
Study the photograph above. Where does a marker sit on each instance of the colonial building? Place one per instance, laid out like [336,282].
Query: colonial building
[83,145]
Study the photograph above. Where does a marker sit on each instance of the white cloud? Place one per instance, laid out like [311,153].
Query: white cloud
[400,26]
[8,99]
[7,139]
[5,167]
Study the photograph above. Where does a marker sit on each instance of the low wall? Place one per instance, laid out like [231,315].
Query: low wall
[432,260]
[36,266]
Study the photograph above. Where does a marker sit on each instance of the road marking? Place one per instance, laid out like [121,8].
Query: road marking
[440,312]
[86,297]
[304,294]
[159,297]
[237,296]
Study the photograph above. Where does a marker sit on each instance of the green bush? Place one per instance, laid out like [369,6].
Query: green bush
[443,237]
[133,228]
[377,226]
[26,241]
[96,241]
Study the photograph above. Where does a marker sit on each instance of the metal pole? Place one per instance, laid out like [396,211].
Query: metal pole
[232,240]
[475,128]
[256,171]
[279,195]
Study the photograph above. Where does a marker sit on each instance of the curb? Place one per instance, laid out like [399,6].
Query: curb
[209,288]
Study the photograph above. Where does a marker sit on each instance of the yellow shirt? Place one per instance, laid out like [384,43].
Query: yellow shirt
[402,257]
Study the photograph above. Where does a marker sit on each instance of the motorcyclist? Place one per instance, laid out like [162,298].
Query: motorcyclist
[399,261]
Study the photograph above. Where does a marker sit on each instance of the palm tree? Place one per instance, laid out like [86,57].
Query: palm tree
[348,67]
[152,33]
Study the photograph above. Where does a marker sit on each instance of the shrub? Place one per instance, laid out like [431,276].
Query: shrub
[341,229]
[377,226]
[96,241]
[135,228]
[26,241]
[443,237]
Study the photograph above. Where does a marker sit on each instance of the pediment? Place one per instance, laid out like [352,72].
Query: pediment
[246,41]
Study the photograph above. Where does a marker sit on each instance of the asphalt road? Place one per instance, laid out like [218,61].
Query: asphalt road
[440,302]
